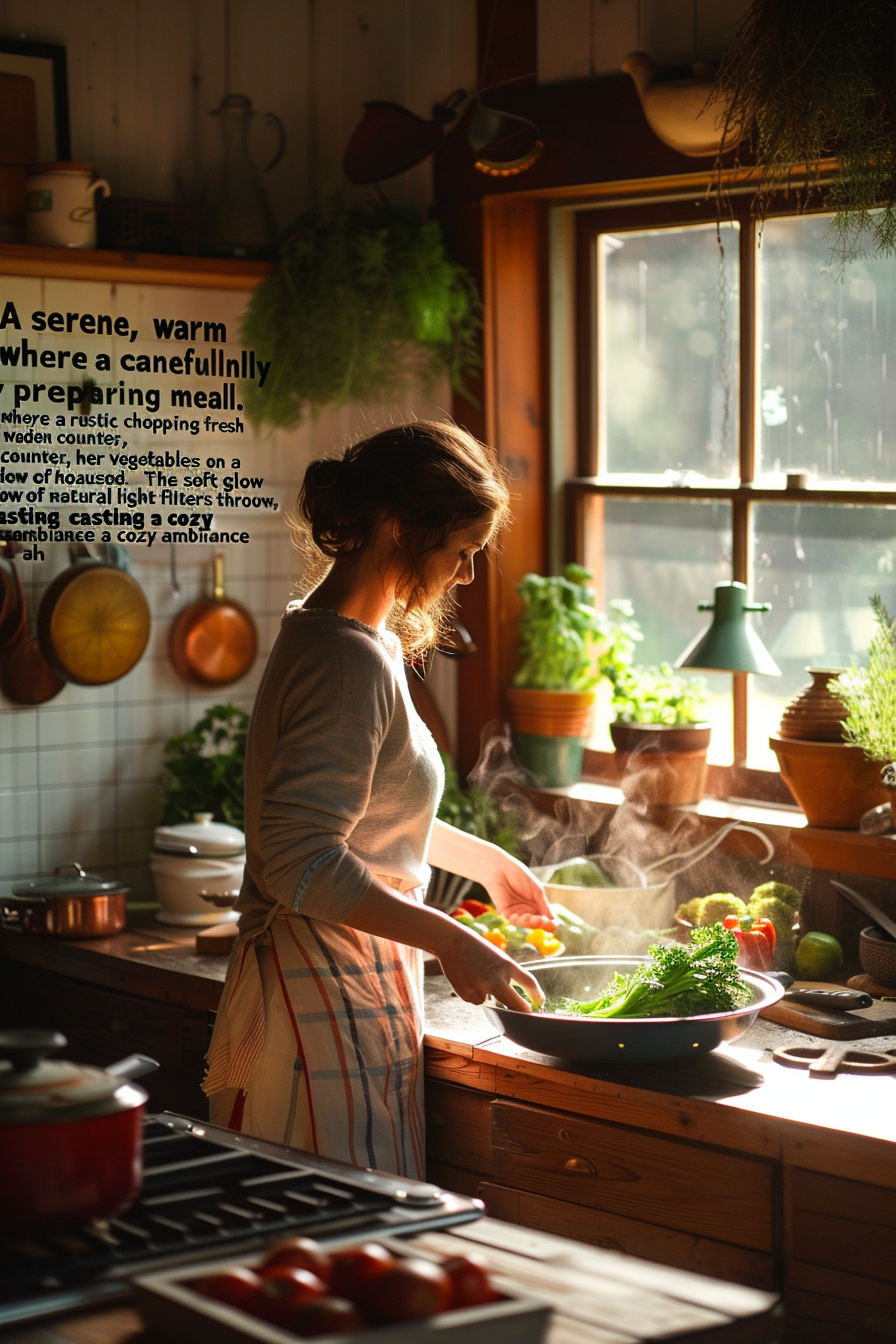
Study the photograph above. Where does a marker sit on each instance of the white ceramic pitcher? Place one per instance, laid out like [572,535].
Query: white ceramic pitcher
[60,205]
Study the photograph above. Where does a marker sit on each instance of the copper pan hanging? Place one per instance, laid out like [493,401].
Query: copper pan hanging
[213,641]
[94,620]
[26,678]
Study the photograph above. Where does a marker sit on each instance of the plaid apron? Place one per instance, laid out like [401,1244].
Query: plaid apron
[333,1063]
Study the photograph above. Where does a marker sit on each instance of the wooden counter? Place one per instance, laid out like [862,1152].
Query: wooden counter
[729,1164]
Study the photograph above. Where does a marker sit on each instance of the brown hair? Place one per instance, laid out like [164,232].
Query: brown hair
[431,478]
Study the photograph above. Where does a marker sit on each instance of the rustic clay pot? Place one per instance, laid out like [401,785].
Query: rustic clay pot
[662,765]
[815,714]
[833,782]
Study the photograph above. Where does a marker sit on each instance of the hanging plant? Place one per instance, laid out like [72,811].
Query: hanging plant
[361,300]
[816,79]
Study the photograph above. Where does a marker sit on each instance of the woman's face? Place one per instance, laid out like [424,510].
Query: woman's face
[453,563]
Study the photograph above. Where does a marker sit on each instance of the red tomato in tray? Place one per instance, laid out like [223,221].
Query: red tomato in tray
[327,1316]
[410,1291]
[355,1269]
[470,1281]
[298,1253]
[283,1291]
[237,1287]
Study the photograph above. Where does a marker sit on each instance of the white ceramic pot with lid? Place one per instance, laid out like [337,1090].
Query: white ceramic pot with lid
[194,861]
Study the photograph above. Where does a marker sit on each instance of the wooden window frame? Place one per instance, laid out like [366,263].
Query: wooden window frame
[585,491]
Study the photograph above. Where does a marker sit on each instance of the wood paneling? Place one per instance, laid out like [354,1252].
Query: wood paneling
[458,1130]
[615,1232]
[641,1176]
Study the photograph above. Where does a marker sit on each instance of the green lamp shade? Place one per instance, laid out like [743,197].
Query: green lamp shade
[730,644]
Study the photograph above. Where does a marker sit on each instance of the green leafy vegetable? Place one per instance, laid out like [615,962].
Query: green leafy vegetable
[580,873]
[678,981]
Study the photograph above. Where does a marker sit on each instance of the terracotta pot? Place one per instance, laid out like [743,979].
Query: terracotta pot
[551,713]
[815,714]
[833,782]
[662,765]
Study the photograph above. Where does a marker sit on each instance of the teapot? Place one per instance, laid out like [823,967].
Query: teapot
[236,214]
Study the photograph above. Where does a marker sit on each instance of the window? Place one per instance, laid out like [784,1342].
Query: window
[706,376]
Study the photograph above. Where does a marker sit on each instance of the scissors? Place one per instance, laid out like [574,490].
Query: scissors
[824,1061]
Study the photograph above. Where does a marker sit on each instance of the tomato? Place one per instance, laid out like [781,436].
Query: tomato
[299,1253]
[237,1287]
[327,1316]
[410,1291]
[283,1291]
[355,1269]
[469,1279]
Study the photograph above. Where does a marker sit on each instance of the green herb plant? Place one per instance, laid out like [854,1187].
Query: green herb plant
[659,695]
[679,980]
[566,644]
[202,771]
[361,299]
[813,80]
[869,693]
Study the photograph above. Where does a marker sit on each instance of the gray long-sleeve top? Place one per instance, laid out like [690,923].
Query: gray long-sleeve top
[343,778]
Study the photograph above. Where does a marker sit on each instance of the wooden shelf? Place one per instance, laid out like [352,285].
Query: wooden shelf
[134,268]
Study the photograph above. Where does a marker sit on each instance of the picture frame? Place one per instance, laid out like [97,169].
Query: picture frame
[44,62]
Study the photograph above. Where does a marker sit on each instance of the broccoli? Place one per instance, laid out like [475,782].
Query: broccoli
[780,891]
[713,909]
[781,916]
[678,981]
[580,873]
[690,911]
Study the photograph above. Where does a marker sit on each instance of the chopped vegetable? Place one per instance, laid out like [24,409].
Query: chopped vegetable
[474,908]
[547,944]
[580,873]
[781,916]
[495,936]
[679,981]
[755,941]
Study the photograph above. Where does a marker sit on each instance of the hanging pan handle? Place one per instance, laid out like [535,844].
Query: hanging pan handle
[688,857]
[271,119]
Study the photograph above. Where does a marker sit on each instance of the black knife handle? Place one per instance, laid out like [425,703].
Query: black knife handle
[829,998]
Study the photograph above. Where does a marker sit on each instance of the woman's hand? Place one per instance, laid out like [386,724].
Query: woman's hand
[477,969]
[517,894]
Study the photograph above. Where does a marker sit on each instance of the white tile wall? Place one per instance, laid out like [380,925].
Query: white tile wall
[79,775]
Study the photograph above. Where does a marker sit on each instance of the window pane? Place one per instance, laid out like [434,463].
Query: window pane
[828,363]
[665,557]
[818,565]
[669,386]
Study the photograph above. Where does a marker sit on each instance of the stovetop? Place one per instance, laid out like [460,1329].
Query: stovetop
[208,1191]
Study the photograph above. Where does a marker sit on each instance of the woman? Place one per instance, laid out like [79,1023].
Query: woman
[318,1039]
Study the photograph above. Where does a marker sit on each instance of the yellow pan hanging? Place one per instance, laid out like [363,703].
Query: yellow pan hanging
[93,623]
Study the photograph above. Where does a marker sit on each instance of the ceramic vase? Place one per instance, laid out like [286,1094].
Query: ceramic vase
[816,713]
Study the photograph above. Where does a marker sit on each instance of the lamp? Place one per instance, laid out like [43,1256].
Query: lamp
[730,644]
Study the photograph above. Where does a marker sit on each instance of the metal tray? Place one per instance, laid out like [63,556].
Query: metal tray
[626,1040]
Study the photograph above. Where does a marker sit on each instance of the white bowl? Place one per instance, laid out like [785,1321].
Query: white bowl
[634,903]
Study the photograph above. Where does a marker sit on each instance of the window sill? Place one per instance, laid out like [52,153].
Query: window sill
[141,268]
[796,842]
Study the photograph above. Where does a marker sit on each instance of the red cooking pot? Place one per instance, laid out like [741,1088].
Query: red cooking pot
[70,1135]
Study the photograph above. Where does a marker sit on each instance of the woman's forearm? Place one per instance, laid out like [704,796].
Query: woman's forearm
[460,853]
[384,913]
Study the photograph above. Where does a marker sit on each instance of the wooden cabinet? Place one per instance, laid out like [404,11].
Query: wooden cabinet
[682,1203]
[102,1025]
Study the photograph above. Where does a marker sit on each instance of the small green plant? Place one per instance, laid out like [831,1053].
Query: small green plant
[202,771]
[658,695]
[869,693]
[476,812]
[361,299]
[566,644]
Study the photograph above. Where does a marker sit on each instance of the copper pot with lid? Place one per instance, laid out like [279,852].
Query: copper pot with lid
[70,904]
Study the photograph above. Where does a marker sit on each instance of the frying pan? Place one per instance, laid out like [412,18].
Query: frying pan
[623,1040]
[25,677]
[93,622]
[213,641]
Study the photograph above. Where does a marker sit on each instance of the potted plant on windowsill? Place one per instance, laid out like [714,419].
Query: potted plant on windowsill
[661,735]
[567,647]
[869,696]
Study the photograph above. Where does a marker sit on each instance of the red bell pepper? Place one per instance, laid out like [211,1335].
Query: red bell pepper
[755,940]
[475,908]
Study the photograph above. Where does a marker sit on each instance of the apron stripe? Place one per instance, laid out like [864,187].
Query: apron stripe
[299,1047]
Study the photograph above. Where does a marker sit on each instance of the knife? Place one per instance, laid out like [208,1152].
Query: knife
[829,998]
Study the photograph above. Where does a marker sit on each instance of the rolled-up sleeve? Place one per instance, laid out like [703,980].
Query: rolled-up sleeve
[316,786]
